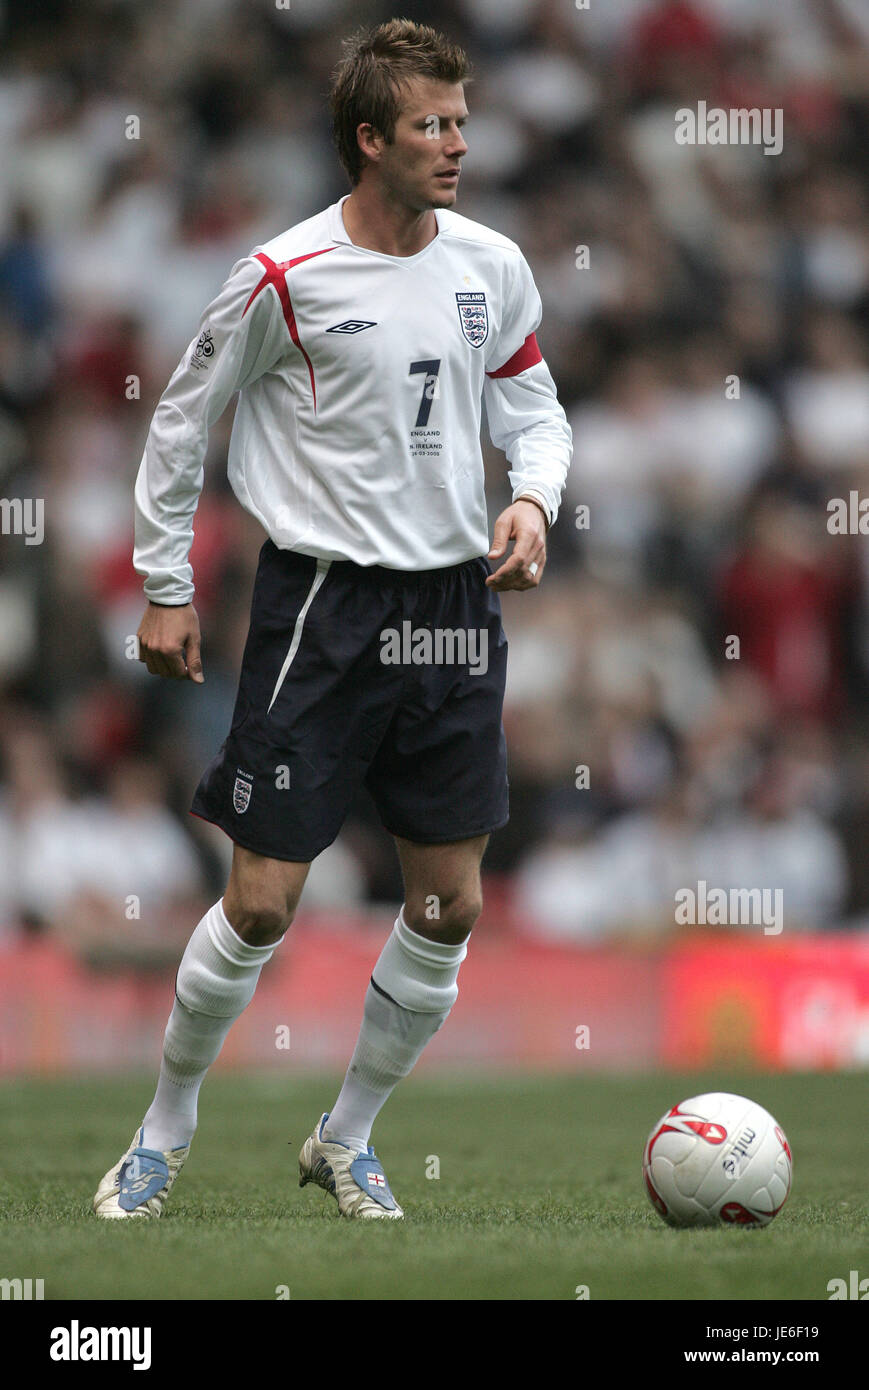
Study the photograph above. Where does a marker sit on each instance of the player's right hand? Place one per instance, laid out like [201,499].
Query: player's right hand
[169,642]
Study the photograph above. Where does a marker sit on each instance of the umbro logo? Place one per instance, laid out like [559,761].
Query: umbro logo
[352,326]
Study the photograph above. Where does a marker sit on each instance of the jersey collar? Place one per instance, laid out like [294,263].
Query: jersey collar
[338,232]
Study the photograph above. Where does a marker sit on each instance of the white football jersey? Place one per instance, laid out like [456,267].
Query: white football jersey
[361,376]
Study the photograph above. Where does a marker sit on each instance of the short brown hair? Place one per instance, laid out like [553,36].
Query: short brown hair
[367,84]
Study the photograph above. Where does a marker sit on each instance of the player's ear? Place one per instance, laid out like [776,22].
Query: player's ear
[370,140]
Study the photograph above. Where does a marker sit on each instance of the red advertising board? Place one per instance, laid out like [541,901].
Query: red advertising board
[710,999]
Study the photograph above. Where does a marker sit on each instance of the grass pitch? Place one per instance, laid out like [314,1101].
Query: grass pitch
[539,1192]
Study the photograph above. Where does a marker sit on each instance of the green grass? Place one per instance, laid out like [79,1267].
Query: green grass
[539,1191]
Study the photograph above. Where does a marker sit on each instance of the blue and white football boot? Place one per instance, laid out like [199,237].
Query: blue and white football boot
[355,1178]
[140,1182]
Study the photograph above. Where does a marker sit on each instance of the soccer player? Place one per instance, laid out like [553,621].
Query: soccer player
[362,343]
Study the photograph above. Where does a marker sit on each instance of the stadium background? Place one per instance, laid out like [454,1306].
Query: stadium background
[708,518]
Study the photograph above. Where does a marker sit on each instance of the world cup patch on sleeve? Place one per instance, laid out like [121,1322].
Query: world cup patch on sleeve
[473,316]
[203,351]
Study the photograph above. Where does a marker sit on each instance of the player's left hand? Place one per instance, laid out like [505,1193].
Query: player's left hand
[525,524]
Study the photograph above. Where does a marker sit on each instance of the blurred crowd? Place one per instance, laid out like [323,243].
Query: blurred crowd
[687,691]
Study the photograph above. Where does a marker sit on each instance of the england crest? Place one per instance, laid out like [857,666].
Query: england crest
[241,793]
[474,317]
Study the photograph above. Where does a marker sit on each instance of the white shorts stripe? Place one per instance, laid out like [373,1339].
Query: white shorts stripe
[322,571]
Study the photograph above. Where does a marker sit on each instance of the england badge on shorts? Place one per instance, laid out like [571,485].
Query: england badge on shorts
[474,317]
[241,792]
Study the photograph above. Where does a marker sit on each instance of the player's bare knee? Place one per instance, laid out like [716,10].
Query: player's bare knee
[264,926]
[261,896]
[259,921]
[461,918]
[457,913]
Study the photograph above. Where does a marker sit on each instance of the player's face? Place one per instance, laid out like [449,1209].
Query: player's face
[421,167]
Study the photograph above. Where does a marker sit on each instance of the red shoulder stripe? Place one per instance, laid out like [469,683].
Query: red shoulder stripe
[276,275]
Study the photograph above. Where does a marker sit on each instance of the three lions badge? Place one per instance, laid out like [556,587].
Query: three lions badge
[474,317]
[241,792]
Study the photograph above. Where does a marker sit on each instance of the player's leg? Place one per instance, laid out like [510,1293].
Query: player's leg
[443,896]
[439,780]
[441,775]
[414,983]
[410,994]
[313,702]
[216,981]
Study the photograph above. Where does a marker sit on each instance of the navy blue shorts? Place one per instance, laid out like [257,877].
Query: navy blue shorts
[355,674]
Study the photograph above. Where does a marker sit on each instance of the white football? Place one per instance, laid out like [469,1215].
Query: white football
[717,1158]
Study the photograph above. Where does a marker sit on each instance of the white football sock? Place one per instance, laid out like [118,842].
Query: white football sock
[216,981]
[413,987]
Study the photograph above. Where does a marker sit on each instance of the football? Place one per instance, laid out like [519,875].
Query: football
[717,1158]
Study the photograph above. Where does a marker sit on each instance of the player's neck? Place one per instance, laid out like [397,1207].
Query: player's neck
[393,229]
